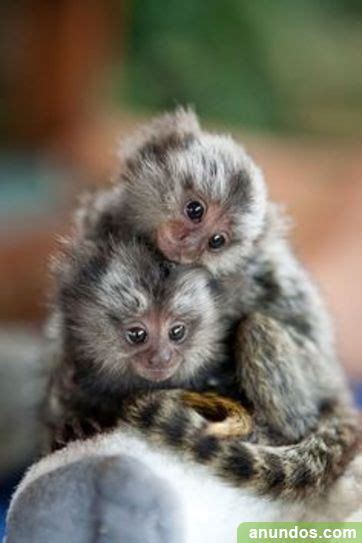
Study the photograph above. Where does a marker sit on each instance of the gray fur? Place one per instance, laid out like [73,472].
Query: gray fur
[154,178]
[288,367]
[100,289]
[98,499]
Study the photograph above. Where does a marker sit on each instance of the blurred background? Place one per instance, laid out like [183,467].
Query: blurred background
[284,77]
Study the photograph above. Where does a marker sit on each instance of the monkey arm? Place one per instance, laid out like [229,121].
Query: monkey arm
[226,417]
[275,369]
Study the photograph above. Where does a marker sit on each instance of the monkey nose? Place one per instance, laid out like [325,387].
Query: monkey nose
[182,236]
[160,359]
[189,256]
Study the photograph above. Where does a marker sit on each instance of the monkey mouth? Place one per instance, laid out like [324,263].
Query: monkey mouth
[169,249]
[156,374]
[181,255]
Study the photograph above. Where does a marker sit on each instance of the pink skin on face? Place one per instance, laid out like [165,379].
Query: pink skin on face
[184,241]
[158,358]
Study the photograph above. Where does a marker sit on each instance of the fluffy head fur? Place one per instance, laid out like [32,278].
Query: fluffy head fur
[103,290]
[183,164]
[171,162]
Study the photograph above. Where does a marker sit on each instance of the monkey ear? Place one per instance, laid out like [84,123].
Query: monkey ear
[97,225]
[99,217]
[178,125]
[73,251]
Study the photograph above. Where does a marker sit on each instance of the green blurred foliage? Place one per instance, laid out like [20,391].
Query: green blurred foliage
[291,65]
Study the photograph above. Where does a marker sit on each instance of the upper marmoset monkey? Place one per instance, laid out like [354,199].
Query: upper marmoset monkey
[200,199]
[133,334]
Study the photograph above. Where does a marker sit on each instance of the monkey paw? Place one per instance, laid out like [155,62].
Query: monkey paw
[226,417]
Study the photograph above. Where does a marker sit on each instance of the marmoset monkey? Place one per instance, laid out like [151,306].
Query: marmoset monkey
[135,336]
[125,322]
[200,199]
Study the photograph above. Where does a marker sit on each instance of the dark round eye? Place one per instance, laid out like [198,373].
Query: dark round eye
[136,335]
[177,332]
[194,210]
[217,241]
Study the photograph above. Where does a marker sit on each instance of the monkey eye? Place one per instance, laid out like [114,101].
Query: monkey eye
[194,210]
[177,332]
[136,335]
[217,241]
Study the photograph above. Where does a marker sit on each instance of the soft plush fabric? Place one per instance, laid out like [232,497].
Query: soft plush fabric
[99,499]
[118,488]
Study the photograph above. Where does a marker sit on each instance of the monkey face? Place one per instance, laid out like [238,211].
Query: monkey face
[198,233]
[155,345]
[138,321]
[201,200]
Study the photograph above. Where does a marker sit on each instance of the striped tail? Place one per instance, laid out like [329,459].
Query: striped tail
[288,472]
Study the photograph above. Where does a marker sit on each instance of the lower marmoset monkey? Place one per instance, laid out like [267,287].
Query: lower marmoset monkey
[125,322]
[136,338]
[200,199]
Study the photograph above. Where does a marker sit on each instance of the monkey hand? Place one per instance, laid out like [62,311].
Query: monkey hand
[73,429]
[226,417]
